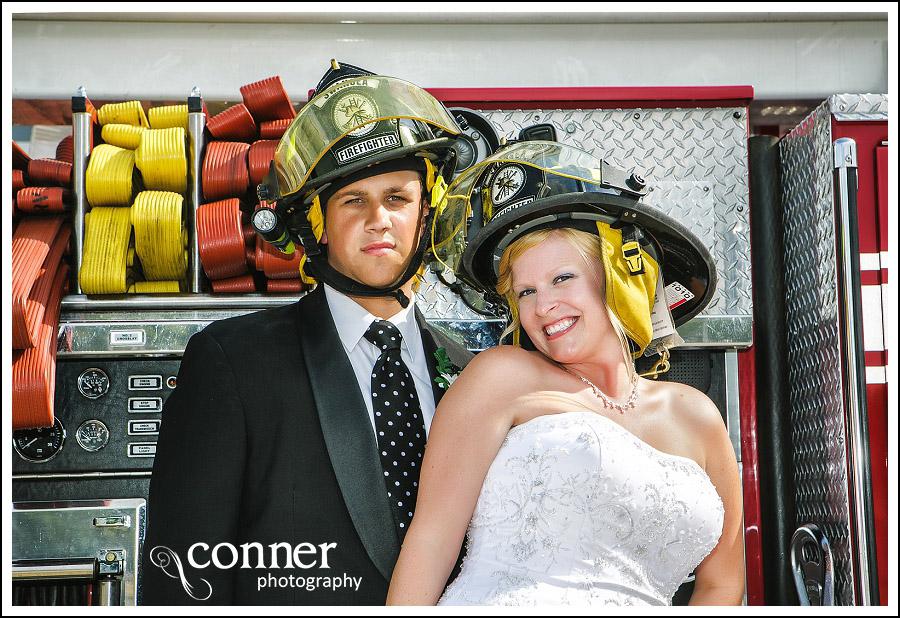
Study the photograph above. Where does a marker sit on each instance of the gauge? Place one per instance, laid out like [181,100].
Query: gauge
[92,435]
[40,445]
[93,383]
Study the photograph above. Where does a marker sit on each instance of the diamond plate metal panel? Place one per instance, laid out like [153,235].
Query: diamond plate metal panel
[814,345]
[850,107]
[437,302]
[696,162]
[445,310]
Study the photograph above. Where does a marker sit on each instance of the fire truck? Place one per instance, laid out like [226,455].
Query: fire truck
[791,348]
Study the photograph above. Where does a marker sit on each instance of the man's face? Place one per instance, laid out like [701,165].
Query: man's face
[370,226]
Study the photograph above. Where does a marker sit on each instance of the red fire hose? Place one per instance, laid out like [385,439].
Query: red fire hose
[42,199]
[225,171]
[49,171]
[235,123]
[284,286]
[259,157]
[231,169]
[220,236]
[268,100]
[32,242]
[273,129]
[274,263]
[65,150]
[18,180]
[234,285]
[34,370]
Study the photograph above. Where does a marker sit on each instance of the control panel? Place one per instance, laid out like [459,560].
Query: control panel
[108,417]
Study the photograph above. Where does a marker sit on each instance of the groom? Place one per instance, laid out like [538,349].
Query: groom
[287,468]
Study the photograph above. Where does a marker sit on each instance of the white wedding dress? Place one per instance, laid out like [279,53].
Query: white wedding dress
[576,509]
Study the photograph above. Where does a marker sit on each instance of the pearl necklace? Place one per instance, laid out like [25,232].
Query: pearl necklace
[607,402]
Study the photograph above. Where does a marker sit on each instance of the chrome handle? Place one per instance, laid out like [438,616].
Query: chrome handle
[75,569]
[856,415]
[812,565]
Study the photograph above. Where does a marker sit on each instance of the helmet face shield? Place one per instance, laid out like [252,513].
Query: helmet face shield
[368,115]
[512,177]
[449,230]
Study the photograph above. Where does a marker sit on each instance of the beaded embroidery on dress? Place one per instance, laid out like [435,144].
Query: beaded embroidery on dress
[575,509]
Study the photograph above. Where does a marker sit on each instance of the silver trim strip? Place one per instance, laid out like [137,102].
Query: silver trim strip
[81,149]
[170,302]
[733,401]
[196,126]
[74,570]
[80,476]
[844,160]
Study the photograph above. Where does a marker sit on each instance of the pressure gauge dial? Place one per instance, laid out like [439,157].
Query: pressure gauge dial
[92,435]
[40,445]
[93,383]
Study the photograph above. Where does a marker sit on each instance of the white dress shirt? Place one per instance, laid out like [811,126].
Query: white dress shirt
[352,321]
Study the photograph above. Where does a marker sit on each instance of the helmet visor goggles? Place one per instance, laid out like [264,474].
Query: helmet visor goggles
[352,106]
[561,165]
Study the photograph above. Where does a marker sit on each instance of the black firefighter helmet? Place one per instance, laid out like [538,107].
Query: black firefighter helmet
[356,124]
[534,185]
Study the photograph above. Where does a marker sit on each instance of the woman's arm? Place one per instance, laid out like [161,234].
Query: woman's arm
[468,429]
[720,577]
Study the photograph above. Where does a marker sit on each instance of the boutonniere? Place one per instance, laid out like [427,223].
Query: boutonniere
[447,371]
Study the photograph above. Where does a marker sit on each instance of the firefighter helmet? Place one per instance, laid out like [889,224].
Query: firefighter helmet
[356,124]
[533,185]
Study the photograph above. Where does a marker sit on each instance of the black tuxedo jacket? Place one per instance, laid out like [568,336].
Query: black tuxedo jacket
[267,439]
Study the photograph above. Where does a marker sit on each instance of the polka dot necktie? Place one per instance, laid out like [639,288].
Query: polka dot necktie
[398,423]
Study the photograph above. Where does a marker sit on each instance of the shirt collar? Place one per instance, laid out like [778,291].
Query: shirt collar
[352,320]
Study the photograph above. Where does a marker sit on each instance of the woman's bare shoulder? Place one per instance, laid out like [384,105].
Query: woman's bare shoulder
[506,356]
[690,418]
[689,406]
[502,371]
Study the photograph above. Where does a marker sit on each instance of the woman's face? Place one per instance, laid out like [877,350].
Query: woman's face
[560,297]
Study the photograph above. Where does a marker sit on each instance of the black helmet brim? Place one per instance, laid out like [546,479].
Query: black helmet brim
[681,255]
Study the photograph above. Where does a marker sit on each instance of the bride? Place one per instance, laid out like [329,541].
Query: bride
[578,481]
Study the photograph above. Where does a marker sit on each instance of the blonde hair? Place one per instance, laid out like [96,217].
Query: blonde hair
[589,246]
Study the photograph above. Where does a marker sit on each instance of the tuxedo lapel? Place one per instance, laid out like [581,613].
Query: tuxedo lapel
[430,347]
[348,431]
